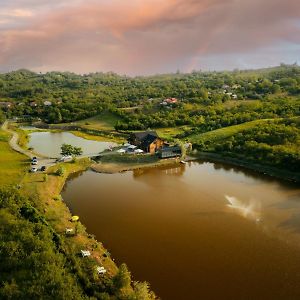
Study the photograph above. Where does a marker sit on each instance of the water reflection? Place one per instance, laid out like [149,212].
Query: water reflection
[177,170]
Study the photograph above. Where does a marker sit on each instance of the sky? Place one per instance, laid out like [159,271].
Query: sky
[142,37]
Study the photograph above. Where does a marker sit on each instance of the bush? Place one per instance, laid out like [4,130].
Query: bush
[60,171]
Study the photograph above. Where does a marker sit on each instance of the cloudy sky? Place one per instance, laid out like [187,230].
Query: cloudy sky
[147,36]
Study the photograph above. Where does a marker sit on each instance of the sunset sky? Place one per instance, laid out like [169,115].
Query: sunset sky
[147,36]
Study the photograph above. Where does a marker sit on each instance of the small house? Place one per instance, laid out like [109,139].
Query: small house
[33,104]
[148,141]
[170,152]
[5,105]
[47,103]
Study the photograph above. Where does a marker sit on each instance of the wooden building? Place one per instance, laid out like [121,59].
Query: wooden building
[170,151]
[149,141]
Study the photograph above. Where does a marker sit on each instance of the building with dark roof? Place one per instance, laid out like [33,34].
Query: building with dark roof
[149,141]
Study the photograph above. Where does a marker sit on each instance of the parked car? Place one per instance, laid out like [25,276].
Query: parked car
[34,158]
[43,168]
[34,162]
[33,170]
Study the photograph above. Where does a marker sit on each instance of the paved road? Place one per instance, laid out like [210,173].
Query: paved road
[42,161]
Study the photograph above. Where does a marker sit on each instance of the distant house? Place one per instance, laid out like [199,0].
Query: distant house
[169,101]
[6,105]
[47,103]
[170,151]
[148,141]
[33,104]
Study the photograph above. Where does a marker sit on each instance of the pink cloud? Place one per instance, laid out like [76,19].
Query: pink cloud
[142,36]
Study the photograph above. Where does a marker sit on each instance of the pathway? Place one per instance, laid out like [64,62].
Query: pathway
[13,142]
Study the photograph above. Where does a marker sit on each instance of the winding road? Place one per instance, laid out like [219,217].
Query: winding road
[13,142]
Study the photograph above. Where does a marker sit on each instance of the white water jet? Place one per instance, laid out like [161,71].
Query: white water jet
[249,210]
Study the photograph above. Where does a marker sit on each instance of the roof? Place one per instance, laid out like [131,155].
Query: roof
[143,134]
[171,148]
[149,139]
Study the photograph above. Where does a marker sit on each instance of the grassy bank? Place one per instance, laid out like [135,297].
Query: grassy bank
[46,189]
[101,137]
[241,162]
[44,207]
[114,163]
[13,164]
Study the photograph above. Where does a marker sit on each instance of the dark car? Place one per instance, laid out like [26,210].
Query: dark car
[43,168]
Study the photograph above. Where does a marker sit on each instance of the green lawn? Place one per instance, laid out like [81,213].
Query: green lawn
[170,132]
[13,165]
[104,121]
[224,133]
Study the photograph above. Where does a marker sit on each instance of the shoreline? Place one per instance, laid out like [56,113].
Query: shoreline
[117,167]
[261,169]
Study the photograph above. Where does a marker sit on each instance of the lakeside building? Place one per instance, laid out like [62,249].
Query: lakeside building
[148,141]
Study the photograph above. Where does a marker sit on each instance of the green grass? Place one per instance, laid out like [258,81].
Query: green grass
[13,165]
[104,121]
[170,132]
[224,133]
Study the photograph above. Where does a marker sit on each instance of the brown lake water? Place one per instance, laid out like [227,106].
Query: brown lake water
[196,231]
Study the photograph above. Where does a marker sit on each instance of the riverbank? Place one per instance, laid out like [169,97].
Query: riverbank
[46,189]
[116,163]
[43,191]
[267,170]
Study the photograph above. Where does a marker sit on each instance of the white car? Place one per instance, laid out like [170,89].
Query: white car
[33,170]
[34,162]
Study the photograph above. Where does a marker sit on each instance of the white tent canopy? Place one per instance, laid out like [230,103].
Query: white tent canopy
[138,151]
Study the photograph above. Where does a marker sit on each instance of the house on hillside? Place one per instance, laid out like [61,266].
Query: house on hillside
[169,101]
[47,103]
[33,104]
[6,105]
[148,141]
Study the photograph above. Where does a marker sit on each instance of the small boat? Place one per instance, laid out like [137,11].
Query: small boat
[74,218]
[183,162]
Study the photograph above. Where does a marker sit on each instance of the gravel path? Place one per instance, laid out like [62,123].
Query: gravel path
[13,142]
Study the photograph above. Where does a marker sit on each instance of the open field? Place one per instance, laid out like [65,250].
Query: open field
[170,132]
[105,121]
[224,133]
[13,164]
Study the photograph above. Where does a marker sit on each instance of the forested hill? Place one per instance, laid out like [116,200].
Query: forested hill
[198,104]
[75,97]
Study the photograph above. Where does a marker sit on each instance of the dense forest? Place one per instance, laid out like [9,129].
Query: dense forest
[201,95]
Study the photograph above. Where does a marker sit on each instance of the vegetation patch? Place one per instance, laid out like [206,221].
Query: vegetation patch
[13,164]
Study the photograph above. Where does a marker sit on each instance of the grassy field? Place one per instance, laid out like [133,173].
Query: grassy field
[224,133]
[105,121]
[13,165]
[171,132]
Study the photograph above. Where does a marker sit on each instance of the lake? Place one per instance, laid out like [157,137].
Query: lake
[196,231]
[48,143]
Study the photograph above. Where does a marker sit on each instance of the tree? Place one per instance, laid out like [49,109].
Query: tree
[123,278]
[69,150]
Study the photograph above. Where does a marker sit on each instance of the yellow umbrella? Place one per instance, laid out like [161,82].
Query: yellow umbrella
[74,218]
